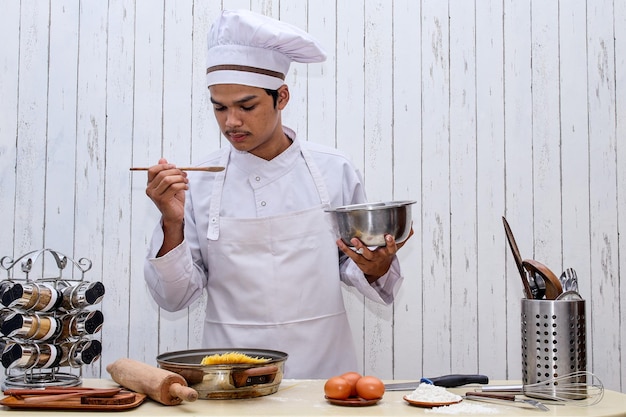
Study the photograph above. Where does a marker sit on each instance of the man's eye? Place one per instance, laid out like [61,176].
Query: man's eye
[219,108]
[248,108]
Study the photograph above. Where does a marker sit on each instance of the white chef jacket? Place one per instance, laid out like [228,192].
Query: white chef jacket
[256,188]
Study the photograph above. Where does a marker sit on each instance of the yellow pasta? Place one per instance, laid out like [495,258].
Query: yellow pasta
[231,358]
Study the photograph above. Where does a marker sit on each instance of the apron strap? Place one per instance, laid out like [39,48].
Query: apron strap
[213,231]
[317,177]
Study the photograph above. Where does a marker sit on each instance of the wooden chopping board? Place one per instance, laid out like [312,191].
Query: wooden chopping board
[122,401]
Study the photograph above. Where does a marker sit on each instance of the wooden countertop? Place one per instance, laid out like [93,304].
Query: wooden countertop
[306,398]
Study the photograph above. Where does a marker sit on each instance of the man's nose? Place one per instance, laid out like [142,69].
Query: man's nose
[232,119]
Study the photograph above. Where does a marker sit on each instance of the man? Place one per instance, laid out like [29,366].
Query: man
[255,236]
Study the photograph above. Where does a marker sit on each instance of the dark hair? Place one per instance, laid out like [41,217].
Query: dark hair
[274,94]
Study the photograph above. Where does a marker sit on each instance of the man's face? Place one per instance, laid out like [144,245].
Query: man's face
[248,119]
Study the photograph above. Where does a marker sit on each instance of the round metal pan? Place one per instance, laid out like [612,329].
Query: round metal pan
[230,381]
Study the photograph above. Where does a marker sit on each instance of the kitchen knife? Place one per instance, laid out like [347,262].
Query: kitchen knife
[446,381]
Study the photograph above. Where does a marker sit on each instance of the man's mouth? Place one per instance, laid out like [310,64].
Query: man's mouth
[237,136]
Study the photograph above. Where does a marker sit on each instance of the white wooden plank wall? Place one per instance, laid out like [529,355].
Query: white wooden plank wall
[474,109]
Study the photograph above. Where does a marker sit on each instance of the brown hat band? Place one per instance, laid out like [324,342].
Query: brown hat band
[246,69]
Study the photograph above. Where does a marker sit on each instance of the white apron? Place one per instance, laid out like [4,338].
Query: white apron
[274,284]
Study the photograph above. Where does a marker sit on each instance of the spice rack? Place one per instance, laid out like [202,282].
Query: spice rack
[46,323]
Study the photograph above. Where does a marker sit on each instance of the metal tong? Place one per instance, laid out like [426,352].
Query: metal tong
[504,398]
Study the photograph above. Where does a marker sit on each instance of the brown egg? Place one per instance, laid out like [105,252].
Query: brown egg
[337,388]
[352,378]
[370,388]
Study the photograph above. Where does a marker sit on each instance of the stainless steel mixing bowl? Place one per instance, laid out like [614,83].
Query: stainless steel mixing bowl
[370,222]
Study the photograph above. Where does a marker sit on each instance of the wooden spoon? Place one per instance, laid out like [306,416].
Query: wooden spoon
[518,258]
[553,285]
[38,399]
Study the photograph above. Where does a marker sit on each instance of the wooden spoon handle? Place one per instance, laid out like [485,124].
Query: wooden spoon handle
[38,399]
[499,396]
[517,257]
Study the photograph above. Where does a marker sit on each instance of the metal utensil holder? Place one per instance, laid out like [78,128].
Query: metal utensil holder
[553,342]
[46,376]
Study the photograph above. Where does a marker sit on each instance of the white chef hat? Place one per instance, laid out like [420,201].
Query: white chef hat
[252,49]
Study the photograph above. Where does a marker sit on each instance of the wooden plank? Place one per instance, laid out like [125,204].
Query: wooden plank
[435,185]
[378,171]
[9,59]
[9,85]
[574,145]
[407,155]
[517,195]
[321,112]
[350,129]
[235,4]
[31,129]
[266,7]
[91,137]
[143,321]
[177,90]
[61,132]
[546,133]
[620,123]
[205,133]
[120,104]
[603,209]
[295,114]
[463,160]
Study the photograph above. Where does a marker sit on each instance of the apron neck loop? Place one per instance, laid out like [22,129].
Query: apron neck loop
[317,177]
[213,232]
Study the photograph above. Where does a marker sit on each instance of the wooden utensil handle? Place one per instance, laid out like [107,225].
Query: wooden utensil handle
[44,391]
[38,399]
[517,257]
[254,375]
[507,397]
[183,392]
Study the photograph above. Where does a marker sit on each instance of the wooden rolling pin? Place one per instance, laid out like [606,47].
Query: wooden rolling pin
[161,385]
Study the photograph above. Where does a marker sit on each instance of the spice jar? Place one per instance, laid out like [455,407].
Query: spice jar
[83,323]
[5,285]
[31,296]
[81,295]
[31,355]
[30,326]
[82,352]
[4,313]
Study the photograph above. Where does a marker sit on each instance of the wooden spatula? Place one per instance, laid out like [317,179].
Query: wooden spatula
[105,392]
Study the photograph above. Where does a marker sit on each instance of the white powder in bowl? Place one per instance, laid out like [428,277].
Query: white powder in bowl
[428,393]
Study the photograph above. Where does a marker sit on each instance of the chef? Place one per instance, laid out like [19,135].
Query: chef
[255,236]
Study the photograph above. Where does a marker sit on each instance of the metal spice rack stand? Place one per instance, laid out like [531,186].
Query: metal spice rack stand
[65,313]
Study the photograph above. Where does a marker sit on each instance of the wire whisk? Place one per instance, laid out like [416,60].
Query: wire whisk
[580,388]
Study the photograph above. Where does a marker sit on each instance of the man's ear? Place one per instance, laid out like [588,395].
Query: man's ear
[283,97]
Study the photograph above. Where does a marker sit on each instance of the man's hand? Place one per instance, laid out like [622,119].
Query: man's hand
[374,263]
[166,188]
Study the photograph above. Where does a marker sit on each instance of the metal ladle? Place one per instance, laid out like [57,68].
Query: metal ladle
[552,283]
[537,286]
[570,296]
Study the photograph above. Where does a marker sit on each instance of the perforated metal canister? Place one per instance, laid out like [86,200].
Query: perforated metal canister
[553,339]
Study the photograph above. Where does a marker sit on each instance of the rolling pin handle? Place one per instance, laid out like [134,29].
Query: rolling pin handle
[183,392]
